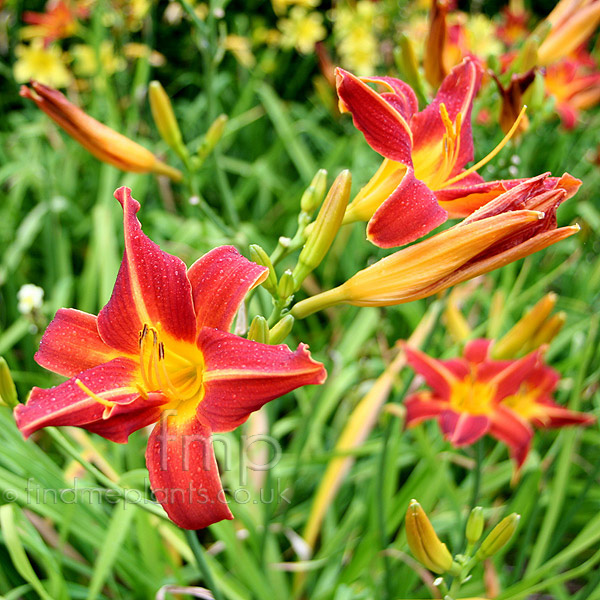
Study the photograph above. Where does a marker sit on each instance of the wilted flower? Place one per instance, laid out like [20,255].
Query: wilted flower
[422,179]
[44,64]
[161,351]
[103,142]
[515,224]
[475,395]
[511,98]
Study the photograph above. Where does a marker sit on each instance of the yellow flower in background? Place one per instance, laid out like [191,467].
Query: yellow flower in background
[481,38]
[302,30]
[354,29]
[241,48]
[280,6]
[135,51]
[86,64]
[46,65]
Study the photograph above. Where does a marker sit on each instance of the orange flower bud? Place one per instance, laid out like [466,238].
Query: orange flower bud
[103,142]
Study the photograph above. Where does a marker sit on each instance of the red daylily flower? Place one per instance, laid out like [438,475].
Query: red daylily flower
[422,180]
[575,85]
[475,395]
[161,350]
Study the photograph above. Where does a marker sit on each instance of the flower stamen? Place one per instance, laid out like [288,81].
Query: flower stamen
[93,395]
[492,154]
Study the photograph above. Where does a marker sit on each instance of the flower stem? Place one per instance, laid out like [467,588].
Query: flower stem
[207,575]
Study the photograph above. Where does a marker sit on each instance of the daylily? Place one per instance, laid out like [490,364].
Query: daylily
[104,143]
[160,352]
[575,85]
[515,224]
[58,21]
[422,180]
[475,395]
[571,23]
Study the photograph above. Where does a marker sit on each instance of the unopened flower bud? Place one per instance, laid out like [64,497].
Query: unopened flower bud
[259,330]
[549,330]
[281,330]
[8,392]
[313,195]
[474,525]
[286,286]
[325,227]
[406,61]
[164,117]
[498,537]
[212,137]
[520,335]
[423,541]
[260,257]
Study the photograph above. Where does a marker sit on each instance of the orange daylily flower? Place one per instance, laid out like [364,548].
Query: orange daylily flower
[57,22]
[475,395]
[515,224]
[572,22]
[422,180]
[103,142]
[160,352]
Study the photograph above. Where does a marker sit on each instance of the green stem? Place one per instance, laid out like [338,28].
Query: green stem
[381,510]
[207,575]
[63,443]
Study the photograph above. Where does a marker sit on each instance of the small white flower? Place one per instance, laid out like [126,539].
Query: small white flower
[30,298]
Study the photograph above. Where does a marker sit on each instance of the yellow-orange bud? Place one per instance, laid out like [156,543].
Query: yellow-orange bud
[164,117]
[104,143]
[424,542]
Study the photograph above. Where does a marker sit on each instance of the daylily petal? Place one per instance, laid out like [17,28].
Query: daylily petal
[462,429]
[240,376]
[151,287]
[509,380]
[436,374]
[384,128]
[401,95]
[68,404]
[513,431]
[457,92]
[71,344]
[476,351]
[184,474]
[551,415]
[409,213]
[422,406]
[220,281]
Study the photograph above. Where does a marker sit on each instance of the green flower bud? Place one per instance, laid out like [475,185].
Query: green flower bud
[281,330]
[498,537]
[259,330]
[286,285]
[212,137]
[325,227]
[475,525]
[8,391]
[260,257]
[314,193]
